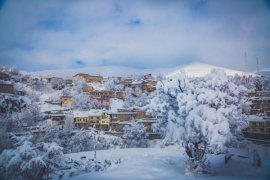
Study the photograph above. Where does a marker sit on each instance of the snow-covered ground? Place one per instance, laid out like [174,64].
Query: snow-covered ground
[169,163]
[199,70]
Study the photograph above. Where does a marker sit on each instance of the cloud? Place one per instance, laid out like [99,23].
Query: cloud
[37,35]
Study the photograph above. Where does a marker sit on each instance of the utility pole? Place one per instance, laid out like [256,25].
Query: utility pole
[257,61]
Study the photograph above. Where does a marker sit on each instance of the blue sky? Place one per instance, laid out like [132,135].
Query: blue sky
[58,34]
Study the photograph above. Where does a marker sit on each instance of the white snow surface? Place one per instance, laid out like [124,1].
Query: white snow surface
[169,163]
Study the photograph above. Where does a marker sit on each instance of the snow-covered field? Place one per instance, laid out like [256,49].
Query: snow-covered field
[191,70]
[169,163]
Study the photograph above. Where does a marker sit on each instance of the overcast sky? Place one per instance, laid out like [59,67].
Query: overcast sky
[54,34]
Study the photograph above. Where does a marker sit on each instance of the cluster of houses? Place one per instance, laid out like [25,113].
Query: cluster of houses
[7,87]
[259,117]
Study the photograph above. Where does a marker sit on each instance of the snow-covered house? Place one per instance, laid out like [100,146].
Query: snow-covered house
[4,76]
[259,128]
[148,123]
[260,102]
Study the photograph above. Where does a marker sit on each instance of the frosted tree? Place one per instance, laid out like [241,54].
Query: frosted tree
[82,102]
[135,135]
[113,85]
[204,115]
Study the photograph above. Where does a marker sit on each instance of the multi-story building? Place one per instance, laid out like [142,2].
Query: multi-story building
[90,78]
[259,116]
[260,102]
[4,76]
[259,128]
[123,116]
[88,89]
[128,115]
[145,85]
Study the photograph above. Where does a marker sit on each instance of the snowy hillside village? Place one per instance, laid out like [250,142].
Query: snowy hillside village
[134,127]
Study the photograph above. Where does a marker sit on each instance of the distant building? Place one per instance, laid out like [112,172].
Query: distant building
[54,79]
[90,78]
[260,102]
[69,82]
[119,126]
[59,118]
[6,88]
[19,93]
[66,101]
[145,85]
[123,116]
[88,89]
[259,128]
[104,96]
[129,114]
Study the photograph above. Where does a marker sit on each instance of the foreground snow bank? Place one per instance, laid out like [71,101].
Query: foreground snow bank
[169,163]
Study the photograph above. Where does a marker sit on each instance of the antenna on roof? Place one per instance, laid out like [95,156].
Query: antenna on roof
[257,61]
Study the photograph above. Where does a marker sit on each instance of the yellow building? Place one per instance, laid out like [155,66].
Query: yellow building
[104,121]
[259,128]
[97,118]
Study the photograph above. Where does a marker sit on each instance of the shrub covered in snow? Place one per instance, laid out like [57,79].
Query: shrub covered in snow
[31,161]
[135,135]
[81,140]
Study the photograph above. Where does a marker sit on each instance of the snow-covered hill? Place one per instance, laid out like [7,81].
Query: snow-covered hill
[265,72]
[192,70]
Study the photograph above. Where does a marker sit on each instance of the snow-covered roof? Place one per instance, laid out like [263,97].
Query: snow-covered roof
[121,122]
[258,118]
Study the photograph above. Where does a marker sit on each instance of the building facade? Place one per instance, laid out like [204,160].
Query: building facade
[90,78]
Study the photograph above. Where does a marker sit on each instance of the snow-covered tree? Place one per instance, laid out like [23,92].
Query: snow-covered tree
[202,114]
[135,135]
[31,161]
